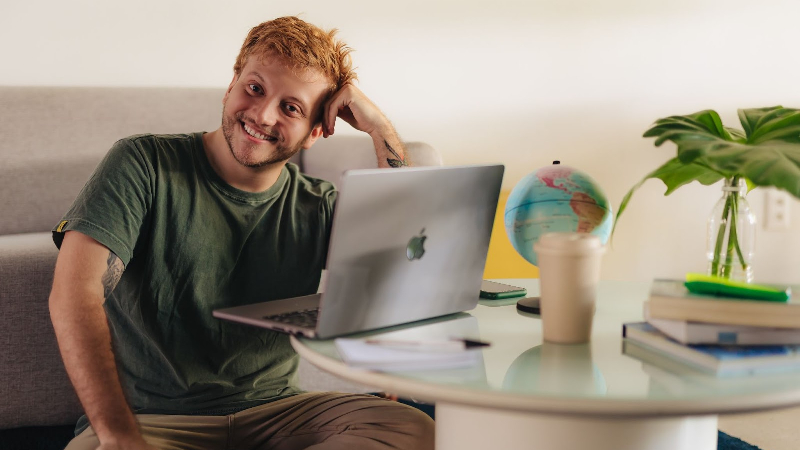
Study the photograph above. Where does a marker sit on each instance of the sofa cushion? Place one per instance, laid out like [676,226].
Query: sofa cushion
[54,136]
[34,383]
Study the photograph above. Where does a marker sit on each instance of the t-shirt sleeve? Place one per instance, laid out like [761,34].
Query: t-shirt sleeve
[113,205]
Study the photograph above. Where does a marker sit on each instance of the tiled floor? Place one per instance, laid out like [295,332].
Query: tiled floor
[772,430]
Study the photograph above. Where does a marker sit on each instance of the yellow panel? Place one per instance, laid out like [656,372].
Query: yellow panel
[503,261]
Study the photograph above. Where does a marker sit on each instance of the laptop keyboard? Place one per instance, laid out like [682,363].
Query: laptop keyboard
[306,318]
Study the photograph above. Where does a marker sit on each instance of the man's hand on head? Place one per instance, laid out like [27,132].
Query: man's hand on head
[355,108]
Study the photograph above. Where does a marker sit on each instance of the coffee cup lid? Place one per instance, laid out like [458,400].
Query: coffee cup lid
[568,243]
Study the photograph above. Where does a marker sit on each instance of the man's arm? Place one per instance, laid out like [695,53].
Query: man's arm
[86,273]
[355,108]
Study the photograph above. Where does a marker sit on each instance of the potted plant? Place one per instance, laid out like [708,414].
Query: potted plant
[765,153]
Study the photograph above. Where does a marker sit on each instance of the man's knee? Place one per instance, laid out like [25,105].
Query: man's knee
[415,429]
[87,440]
[425,429]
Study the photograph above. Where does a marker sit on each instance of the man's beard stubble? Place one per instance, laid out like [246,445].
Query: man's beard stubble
[282,151]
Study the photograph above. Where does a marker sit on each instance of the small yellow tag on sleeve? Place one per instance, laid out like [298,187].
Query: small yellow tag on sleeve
[61,225]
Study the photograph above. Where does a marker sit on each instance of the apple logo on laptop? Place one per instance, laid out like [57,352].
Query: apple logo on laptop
[416,246]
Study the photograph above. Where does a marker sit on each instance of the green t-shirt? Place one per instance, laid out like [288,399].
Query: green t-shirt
[191,243]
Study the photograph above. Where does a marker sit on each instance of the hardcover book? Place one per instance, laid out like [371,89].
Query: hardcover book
[687,332]
[670,375]
[669,299]
[720,360]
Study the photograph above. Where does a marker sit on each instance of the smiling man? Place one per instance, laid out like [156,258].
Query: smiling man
[171,227]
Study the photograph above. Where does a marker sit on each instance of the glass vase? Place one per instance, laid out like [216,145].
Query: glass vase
[731,233]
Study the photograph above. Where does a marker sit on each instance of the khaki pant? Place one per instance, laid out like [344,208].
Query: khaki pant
[315,420]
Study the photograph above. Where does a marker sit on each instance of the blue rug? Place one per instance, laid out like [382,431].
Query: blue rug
[728,442]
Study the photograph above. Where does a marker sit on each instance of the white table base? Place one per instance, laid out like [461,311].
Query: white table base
[461,427]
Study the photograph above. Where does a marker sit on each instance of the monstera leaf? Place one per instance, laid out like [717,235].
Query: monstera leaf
[766,153]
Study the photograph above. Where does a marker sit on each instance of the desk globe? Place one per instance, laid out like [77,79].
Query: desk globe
[555,198]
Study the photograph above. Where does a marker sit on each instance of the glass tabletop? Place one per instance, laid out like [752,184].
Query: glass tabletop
[519,363]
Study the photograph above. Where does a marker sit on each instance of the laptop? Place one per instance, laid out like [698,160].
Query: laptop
[406,245]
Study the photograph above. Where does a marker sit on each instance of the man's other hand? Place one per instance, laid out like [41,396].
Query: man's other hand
[136,444]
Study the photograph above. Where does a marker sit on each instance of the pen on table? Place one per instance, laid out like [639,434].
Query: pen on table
[454,344]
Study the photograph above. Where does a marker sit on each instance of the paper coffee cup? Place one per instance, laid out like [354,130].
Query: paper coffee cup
[569,270]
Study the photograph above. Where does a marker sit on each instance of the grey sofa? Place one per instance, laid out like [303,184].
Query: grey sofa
[51,138]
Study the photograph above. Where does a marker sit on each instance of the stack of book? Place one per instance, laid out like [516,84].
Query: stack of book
[717,334]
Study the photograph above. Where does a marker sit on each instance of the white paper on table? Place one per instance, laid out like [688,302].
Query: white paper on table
[359,353]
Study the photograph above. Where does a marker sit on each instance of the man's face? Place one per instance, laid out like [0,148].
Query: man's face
[269,112]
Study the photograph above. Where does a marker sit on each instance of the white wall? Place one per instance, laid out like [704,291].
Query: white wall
[521,82]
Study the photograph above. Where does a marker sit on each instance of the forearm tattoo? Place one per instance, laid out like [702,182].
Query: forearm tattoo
[112,275]
[397,161]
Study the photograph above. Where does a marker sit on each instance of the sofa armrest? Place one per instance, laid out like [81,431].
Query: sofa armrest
[33,380]
[330,158]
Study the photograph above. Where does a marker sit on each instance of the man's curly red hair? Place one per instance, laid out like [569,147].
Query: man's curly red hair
[302,46]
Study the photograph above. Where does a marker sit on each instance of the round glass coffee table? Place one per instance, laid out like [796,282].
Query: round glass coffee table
[604,395]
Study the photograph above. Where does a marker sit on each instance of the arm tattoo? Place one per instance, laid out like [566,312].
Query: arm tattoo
[112,275]
[397,161]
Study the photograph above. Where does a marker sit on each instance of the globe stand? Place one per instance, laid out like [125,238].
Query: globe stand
[529,305]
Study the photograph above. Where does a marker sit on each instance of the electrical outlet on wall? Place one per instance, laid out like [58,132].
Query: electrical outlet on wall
[777,210]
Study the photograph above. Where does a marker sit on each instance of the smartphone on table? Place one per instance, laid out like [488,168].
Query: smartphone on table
[495,291]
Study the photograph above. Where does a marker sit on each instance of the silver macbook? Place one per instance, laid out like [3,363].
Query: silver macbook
[406,245]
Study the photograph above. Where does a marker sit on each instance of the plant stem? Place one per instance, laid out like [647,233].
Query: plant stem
[732,241]
[720,238]
[734,231]
[730,214]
